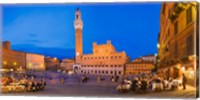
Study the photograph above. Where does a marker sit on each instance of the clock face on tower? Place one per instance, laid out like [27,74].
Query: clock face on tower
[77,54]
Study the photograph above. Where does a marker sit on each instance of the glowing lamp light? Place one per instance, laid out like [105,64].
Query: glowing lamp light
[29,65]
[183,68]
[158,45]
[42,65]
[14,63]
[55,59]
[4,62]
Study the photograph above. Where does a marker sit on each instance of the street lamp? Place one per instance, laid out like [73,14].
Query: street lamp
[156,65]
[158,45]
[4,62]
[183,68]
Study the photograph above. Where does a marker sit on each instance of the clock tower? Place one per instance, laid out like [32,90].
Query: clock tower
[78,25]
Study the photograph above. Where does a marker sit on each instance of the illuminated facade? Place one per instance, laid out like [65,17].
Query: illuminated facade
[139,67]
[20,61]
[78,25]
[12,59]
[67,64]
[52,63]
[178,32]
[104,60]
[149,58]
[35,62]
[144,64]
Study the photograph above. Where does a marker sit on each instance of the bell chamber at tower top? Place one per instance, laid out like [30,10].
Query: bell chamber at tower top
[78,24]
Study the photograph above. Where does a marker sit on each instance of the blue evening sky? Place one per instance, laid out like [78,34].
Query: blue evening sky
[48,28]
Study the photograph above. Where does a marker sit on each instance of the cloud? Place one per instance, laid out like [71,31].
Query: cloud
[33,35]
[46,29]
[33,41]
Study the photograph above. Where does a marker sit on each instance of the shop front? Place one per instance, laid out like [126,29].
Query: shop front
[187,66]
[190,72]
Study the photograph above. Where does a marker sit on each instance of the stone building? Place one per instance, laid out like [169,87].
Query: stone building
[67,64]
[52,63]
[11,59]
[35,62]
[104,60]
[178,34]
[143,64]
[139,68]
[149,58]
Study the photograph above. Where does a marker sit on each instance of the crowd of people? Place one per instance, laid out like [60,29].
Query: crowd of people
[152,82]
[21,84]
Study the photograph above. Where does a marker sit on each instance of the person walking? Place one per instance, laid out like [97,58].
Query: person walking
[184,79]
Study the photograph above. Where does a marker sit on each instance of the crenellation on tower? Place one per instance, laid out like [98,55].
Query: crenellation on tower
[94,43]
[78,25]
[108,42]
[104,55]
